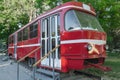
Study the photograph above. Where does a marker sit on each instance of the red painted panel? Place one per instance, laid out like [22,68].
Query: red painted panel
[75,53]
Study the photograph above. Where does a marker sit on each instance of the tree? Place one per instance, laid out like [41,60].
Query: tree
[13,12]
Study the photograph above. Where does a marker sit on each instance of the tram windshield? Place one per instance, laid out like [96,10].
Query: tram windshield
[75,20]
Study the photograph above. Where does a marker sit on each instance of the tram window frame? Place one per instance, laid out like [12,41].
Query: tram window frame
[19,37]
[43,29]
[53,26]
[25,33]
[34,30]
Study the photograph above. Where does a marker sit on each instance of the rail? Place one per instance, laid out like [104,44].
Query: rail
[28,54]
[45,56]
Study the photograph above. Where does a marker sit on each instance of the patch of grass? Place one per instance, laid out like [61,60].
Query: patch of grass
[114,63]
[113,55]
[94,71]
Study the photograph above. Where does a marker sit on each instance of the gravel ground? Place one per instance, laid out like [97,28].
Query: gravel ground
[8,71]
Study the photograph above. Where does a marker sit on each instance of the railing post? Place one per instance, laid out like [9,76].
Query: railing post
[33,73]
[17,70]
[34,68]
[53,67]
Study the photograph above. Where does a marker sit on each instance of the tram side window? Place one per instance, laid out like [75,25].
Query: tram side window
[71,21]
[43,48]
[47,26]
[25,34]
[59,48]
[34,30]
[58,25]
[53,46]
[20,36]
[53,26]
[43,29]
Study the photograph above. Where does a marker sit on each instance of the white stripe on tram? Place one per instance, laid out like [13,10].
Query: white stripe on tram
[11,47]
[97,42]
[30,45]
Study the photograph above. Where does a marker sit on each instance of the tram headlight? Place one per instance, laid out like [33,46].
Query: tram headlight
[89,47]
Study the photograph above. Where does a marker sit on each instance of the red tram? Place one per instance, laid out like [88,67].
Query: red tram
[73,26]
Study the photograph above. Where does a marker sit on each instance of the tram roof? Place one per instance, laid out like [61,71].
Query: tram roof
[72,4]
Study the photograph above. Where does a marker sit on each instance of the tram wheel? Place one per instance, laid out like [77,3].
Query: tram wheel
[10,56]
[31,61]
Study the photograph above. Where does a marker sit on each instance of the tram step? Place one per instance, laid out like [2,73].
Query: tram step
[42,77]
[48,74]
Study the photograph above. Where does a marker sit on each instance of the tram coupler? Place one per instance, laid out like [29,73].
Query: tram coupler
[101,67]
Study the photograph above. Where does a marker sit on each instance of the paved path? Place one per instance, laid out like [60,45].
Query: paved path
[8,71]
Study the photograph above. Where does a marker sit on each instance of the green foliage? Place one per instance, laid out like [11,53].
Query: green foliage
[114,63]
[94,71]
[44,5]
[13,12]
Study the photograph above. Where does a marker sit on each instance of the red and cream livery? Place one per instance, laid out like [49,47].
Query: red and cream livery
[73,26]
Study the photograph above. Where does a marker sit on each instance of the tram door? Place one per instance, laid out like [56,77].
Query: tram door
[50,39]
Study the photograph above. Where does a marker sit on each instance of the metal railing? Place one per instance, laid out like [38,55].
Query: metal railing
[24,58]
[50,52]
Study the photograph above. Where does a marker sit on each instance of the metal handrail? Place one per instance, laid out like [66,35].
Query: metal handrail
[28,54]
[45,56]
